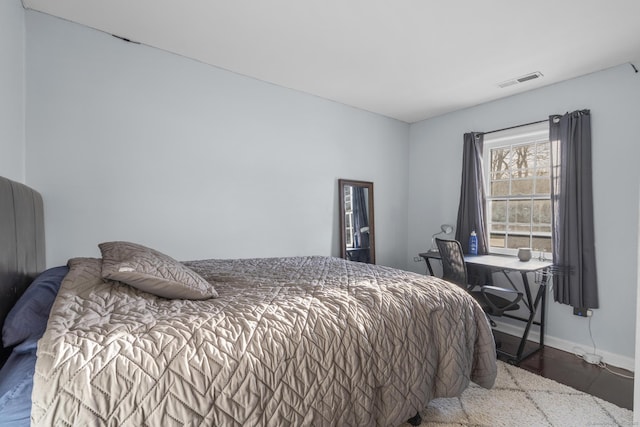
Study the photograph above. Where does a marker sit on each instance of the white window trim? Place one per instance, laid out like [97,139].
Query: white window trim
[517,135]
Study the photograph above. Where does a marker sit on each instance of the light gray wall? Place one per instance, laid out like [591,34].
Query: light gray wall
[12,138]
[129,142]
[613,96]
[636,384]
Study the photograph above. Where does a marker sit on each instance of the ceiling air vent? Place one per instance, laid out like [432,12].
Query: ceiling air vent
[525,78]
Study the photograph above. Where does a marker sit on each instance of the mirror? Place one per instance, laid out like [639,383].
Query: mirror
[357,237]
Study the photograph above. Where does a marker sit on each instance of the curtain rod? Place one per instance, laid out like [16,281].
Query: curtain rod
[513,127]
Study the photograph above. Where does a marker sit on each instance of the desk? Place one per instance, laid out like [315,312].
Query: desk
[506,264]
[359,254]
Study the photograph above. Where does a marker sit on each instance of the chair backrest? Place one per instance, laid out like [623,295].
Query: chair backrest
[454,268]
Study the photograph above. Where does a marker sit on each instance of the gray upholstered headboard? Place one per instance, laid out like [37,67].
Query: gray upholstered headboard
[22,254]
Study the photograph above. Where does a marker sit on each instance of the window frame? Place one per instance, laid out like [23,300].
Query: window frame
[348,217]
[527,134]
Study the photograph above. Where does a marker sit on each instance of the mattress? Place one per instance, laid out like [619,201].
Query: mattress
[288,341]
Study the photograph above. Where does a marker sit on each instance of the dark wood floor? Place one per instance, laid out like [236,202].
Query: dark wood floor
[568,369]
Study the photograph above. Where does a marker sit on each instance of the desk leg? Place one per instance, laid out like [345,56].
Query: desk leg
[532,305]
[429,269]
[543,313]
[533,308]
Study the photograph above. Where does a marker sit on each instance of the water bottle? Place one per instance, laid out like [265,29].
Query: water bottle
[473,243]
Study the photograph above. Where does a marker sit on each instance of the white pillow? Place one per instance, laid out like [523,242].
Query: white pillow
[152,271]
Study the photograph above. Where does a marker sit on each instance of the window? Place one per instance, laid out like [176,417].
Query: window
[517,168]
[348,216]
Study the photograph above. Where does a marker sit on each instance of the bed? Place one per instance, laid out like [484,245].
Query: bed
[136,338]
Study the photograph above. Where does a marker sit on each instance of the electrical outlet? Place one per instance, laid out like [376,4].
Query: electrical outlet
[582,311]
[417,259]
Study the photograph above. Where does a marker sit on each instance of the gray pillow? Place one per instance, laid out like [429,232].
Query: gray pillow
[152,271]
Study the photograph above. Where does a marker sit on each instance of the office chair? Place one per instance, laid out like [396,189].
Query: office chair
[454,270]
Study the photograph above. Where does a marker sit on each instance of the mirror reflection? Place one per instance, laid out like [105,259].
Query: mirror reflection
[357,239]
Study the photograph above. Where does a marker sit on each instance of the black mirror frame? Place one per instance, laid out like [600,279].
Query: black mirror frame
[342,183]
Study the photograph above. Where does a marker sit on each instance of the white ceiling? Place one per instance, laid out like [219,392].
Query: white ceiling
[406,59]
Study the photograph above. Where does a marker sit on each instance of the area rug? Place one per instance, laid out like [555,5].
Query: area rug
[520,398]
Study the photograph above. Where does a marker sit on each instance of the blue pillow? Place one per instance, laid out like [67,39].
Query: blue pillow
[16,385]
[28,318]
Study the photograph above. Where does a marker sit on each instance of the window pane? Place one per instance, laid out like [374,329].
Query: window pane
[499,188]
[541,229]
[541,212]
[519,227]
[543,153]
[522,186]
[348,221]
[520,211]
[498,211]
[347,199]
[515,241]
[500,163]
[541,244]
[500,175]
[522,159]
[542,171]
[497,240]
[543,185]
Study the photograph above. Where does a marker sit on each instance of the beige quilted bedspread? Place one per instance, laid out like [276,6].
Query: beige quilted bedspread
[289,342]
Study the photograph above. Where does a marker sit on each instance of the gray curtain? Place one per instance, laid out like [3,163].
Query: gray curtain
[572,210]
[471,210]
[360,218]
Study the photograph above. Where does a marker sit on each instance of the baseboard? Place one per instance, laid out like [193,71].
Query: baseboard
[611,359]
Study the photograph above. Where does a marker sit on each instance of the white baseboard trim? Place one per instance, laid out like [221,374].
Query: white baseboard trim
[611,359]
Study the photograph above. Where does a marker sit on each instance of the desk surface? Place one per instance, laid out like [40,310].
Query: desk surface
[502,262]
